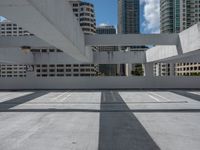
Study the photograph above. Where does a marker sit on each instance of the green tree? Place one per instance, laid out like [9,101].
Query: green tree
[138,70]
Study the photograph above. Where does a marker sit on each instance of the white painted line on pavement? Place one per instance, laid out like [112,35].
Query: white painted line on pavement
[60,95]
[113,97]
[154,98]
[65,98]
[160,96]
[195,93]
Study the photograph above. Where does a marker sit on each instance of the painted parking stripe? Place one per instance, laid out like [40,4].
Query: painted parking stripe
[160,96]
[60,95]
[196,93]
[65,98]
[154,98]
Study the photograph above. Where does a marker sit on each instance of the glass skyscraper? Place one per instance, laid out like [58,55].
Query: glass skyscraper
[178,15]
[128,16]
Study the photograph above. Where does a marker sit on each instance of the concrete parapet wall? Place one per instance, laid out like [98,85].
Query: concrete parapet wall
[119,57]
[100,83]
[15,56]
[131,39]
[190,39]
[160,52]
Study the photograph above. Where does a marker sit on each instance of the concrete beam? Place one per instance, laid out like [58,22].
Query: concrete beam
[159,53]
[32,82]
[19,41]
[52,21]
[18,56]
[131,39]
[15,56]
[190,39]
[188,57]
[119,57]
[54,58]
[116,57]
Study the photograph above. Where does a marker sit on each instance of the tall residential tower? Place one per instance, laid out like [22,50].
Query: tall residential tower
[128,16]
[85,14]
[178,15]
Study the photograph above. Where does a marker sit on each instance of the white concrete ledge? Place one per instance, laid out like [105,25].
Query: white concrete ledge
[99,83]
[15,56]
[131,39]
[190,39]
[19,41]
[119,57]
[160,52]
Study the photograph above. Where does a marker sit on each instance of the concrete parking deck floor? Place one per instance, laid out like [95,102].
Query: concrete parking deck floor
[100,120]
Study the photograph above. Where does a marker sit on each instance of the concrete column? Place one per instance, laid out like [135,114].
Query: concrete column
[172,69]
[148,69]
[129,69]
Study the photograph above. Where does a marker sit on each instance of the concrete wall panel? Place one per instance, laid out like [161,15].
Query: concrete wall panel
[160,52]
[190,39]
[119,57]
[100,83]
[131,39]
[15,56]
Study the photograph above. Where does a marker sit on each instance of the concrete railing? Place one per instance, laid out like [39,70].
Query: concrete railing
[100,83]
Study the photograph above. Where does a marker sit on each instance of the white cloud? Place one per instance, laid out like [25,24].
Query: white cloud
[151,15]
[142,2]
[2,18]
[103,24]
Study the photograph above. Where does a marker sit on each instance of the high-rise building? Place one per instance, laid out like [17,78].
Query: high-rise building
[106,29]
[169,16]
[7,28]
[188,69]
[176,16]
[85,14]
[161,69]
[189,13]
[128,16]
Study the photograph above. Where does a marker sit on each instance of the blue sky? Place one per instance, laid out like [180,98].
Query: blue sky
[1,18]
[106,12]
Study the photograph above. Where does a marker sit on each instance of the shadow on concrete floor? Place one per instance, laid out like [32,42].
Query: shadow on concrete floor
[188,95]
[121,131]
[20,100]
[101,111]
